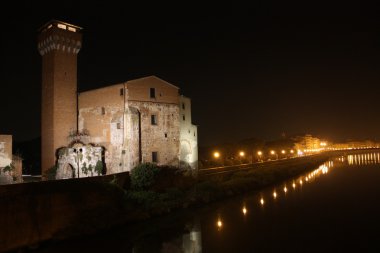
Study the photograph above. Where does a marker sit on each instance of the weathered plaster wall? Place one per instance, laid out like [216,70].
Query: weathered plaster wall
[101,112]
[131,149]
[162,138]
[10,165]
[5,150]
[119,118]
[79,161]
[188,135]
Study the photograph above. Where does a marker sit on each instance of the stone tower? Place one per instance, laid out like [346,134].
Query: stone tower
[58,44]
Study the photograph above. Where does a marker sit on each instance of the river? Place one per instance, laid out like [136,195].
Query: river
[334,208]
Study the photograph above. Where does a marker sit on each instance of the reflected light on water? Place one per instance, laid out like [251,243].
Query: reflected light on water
[359,159]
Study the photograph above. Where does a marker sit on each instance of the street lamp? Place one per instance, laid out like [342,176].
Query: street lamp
[217,155]
[259,153]
[272,152]
[241,154]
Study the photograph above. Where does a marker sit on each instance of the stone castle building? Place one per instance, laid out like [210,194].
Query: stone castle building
[121,125]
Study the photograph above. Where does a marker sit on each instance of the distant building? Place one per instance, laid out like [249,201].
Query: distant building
[10,166]
[141,120]
[307,144]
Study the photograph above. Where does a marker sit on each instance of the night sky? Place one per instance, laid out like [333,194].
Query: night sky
[257,71]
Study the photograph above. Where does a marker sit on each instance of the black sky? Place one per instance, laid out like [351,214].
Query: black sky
[259,71]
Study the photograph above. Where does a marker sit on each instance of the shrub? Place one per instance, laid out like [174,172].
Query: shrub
[143,176]
[51,172]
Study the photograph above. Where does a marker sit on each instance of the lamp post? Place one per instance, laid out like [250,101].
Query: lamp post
[259,153]
[217,156]
[272,152]
[283,152]
[241,155]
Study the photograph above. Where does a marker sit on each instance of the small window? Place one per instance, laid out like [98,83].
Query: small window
[183,106]
[123,152]
[103,111]
[71,29]
[121,92]
[183,117]
[154,157]
[62,26]
[153,119]
[118,125]
[166,135]
[152,93]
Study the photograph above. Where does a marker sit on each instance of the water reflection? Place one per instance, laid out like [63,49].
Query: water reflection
[191,241]
[362,159]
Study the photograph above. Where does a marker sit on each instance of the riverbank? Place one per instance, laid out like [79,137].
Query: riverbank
[38,212]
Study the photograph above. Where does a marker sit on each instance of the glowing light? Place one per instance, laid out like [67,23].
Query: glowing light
[294,185]
[272,152]
[275,194]
[262,201]
[219,224]
[242,153]
[216,154]
[285,189]
[259,153]
[62,26]
[306,179]
[72,29]
[301,182]
[244,210]
[292,151]
[283,151]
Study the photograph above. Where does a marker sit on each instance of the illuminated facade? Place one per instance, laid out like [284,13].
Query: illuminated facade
[307,144]
[141,120]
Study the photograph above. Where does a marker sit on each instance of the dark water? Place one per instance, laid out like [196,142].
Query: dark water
[335,208]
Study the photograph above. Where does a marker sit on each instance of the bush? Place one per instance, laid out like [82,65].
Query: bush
[51,172]
[143,176]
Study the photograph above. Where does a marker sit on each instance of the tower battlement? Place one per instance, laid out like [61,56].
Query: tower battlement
[60,36]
